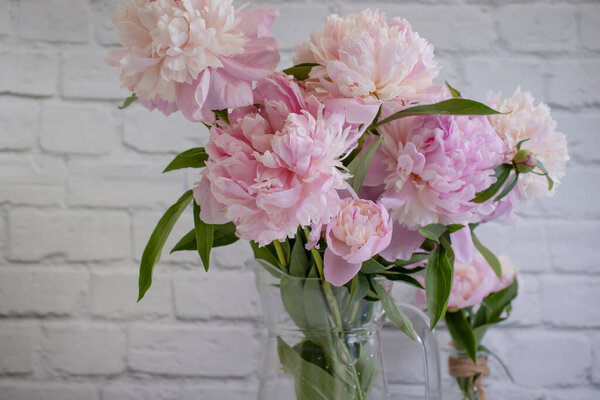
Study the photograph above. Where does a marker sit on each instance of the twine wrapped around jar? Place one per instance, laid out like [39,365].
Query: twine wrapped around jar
[465,368]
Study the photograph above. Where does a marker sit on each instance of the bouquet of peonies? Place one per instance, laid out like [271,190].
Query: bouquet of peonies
[352,167]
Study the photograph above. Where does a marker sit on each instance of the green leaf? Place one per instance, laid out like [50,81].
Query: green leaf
[487,254]
[414,258]
[446,107]
[192,158]
[264,253]
[455,93]
[500,301]
[371,267]
[129,101]
[299,265]
[395,276]
[367,369]
[488,351]
[545,171]
[359,287]
[224,235]
[433,231]
[438,283]
[300,71]
[157,240]
[205,236]
[312,382]
[509,186]
[223,115]
[359,166]
[502,174]
[462,333]
[521,143]
[392,311]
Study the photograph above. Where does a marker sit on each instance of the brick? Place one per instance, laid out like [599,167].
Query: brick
[104,30]
[566,301]
[20,123]
[77,235]
[230,294]
[79,128]
[121,183]
[30,72]
[229,392]
[566,357]
[48,391]
[233,256]
[501,74]
[86,75]
[192,351]
[568,255]
[584,393]
[25,291]
[548,28]
[18,342]
[53,20]
[580,130]
[154,132]
[296,21]
[5,18]
[84,349]
[136,391]
[590,26]
[596,357]
[581,88]
[526,308]
[32,180]
[114,295]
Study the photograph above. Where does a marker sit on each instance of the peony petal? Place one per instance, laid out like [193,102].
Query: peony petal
[338,271]
[227,91]
[462,244]
[403,244]
[256,22]
[191,97]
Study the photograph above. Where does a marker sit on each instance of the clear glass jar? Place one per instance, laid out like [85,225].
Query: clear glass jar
[325,347]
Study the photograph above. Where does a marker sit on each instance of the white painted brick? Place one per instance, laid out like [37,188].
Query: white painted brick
[526,308]
[589,393]
[402,357]
[229,391]
[18,342]
[230,294]
[566,357]
[83,349]
[596,357]
[581,130]
[581,88]
[20,123]
[576,196]
[79,128]
[86,75]
[581,255]
[156,133]
[104,30]
[143,224]
[192,351]
[29,72]
[296,21]
[590,26]
[568,301]
[546,28]
[114,295]
[6,18]
[502,74]
[53,20]
[234,255]
[79,235]
[25,291]
[137,391]
[32,180]
[48,391]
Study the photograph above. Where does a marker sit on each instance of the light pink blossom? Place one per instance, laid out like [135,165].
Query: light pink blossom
[509,272]
[193,55]
[360,230]
[277,168]
[429,168]
[365,56]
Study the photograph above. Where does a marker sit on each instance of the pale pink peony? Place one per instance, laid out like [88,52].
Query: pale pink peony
[276,169]
[528,121]
[360,230]
[193,55]
[429,168]
[471,283]
[365,56]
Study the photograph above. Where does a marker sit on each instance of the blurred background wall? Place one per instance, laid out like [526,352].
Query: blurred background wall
[81,189]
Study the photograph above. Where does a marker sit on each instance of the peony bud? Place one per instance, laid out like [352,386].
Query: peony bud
[524,161]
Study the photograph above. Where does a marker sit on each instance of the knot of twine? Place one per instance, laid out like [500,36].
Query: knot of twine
[465,368]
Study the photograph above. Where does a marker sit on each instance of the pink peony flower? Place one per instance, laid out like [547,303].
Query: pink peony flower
[193,55]
[365,56]
[277,168]
[429,168]
[471,283]
[528,121]
[360,230]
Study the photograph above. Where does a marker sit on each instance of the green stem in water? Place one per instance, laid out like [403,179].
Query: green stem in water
[280,254]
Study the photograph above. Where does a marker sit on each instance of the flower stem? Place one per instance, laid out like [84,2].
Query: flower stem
[280,254]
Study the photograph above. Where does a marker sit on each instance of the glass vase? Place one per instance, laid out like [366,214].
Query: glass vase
[468,375]
[322,345]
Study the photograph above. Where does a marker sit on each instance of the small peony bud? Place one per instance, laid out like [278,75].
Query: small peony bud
[524,161]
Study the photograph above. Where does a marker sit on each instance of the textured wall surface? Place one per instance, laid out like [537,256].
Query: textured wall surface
[81,189]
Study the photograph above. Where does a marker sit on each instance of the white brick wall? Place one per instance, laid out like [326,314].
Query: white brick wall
[81,188]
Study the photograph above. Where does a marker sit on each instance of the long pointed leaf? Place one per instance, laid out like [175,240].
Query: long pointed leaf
[359,166]
[438,283]
[501,177]
[192,158]
[392,311]
[462,333]
[205,236]
[487,254]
